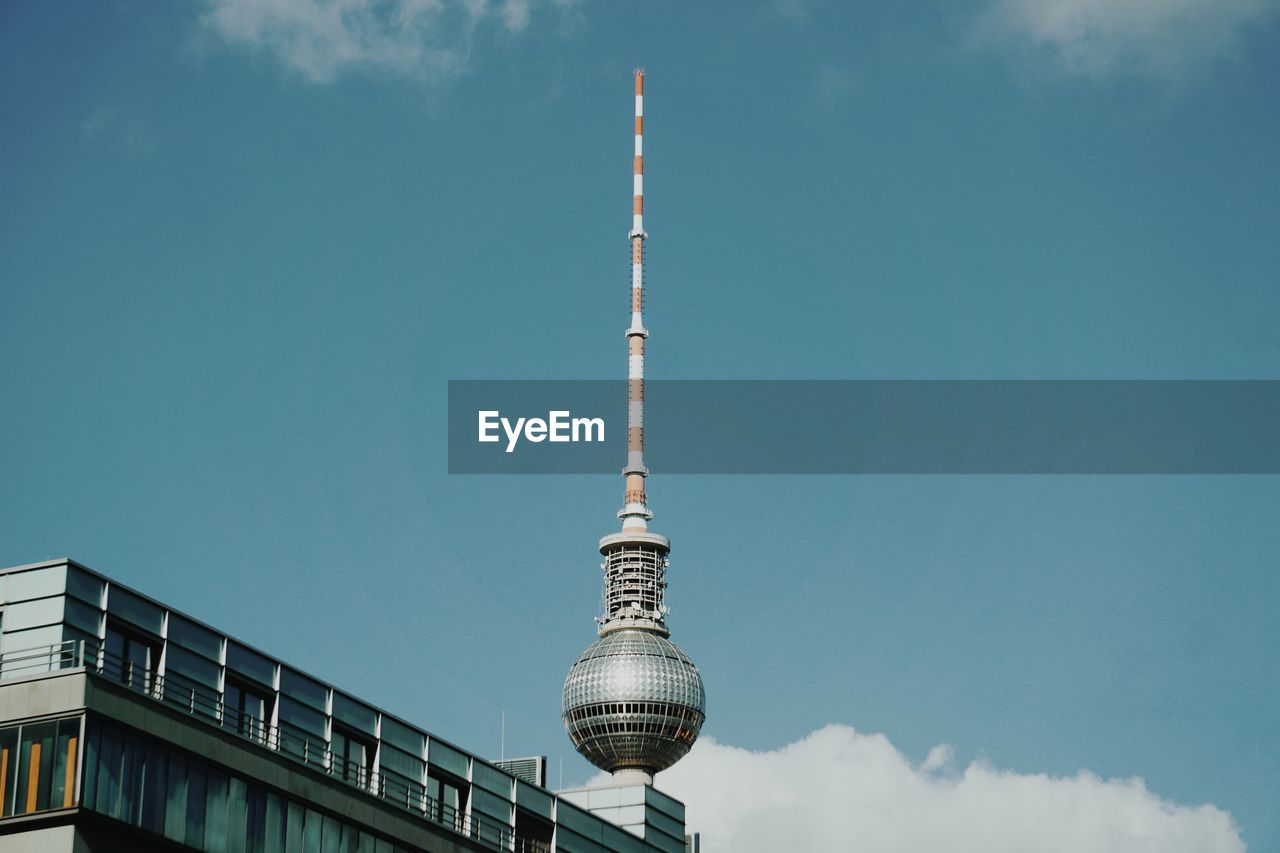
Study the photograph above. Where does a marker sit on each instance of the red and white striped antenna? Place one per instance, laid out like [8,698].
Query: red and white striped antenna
[635,512]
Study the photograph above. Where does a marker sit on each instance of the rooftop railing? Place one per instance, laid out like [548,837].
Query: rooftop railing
[204,704]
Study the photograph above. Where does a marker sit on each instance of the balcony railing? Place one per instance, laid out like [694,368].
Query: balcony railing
[39,659]
[204,704]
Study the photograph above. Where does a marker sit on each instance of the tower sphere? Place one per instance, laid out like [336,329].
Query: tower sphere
[633,701]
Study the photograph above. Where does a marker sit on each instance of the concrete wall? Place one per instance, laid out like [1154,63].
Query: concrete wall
[48,694]
[49,839]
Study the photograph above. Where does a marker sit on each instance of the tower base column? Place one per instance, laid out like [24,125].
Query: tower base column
[631,776]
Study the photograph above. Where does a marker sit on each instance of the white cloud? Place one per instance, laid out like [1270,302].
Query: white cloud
[838,789]
[515,14]
[1096,37]
[427,39]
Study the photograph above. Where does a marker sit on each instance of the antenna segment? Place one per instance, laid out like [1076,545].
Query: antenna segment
[635,512]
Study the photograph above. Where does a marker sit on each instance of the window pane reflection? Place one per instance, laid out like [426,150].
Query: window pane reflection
[143,782]
[38,766]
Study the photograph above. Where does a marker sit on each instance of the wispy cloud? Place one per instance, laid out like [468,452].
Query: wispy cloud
[796,10]
[515,14]
[833,81]
[838,789]
[322,39]
[1099,37]
[130,133]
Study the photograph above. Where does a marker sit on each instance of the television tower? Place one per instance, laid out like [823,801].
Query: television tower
[633,701]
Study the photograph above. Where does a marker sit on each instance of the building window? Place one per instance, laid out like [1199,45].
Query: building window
[446,801]
[8,768]
[350,756]
[130,658]
[38,766]
[246,709]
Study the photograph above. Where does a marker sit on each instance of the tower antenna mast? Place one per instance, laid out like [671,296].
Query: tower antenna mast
[635,513]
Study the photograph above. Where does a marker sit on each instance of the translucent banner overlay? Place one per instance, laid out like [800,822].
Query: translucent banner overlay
[870,427]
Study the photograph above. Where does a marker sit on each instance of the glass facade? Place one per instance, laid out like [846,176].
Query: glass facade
[145,783]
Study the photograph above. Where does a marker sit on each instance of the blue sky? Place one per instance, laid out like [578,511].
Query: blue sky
[243,246]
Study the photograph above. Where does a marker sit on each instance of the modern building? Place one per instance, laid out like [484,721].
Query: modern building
[126,725]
